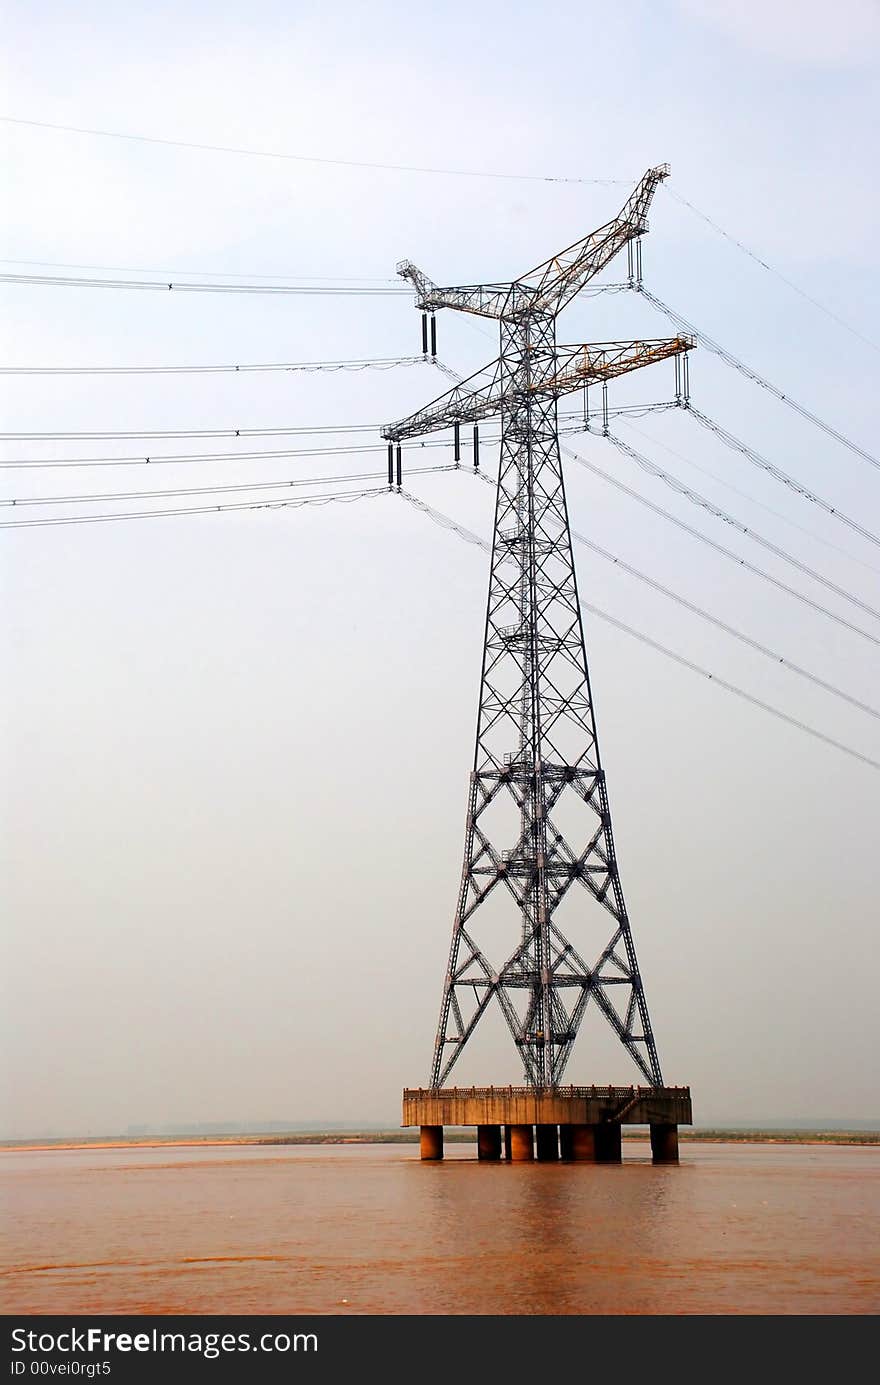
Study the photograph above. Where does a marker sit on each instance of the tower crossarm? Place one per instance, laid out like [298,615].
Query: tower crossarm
[485,393]
[476,398]
[599,361]
[484,300]
[559,279]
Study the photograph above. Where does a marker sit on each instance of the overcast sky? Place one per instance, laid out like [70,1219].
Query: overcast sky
[237,745]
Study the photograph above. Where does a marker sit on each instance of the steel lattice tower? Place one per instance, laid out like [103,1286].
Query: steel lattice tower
[537,762]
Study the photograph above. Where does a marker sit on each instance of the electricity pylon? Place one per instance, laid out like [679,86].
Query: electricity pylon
[537,778]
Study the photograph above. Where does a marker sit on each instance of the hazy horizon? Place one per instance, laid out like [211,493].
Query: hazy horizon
[315,1127]
[137,1130]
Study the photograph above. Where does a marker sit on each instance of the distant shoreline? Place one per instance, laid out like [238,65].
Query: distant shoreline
[401,1137]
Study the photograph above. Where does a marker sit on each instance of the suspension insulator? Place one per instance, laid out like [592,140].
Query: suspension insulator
[457,437]
[424,334]
[399,467]
[433,335]
[476,447]
[391,463]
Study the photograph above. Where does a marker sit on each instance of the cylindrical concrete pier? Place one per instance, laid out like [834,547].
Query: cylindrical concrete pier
[664,1144]
[581,1140]
[507,1153]
[565,1142]
[488,1141]
[608,1149]
[431,1141]
[548,1142]
[522,1142]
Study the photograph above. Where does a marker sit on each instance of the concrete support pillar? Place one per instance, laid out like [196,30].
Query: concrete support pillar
[548,1142]
[488,1141]
[664,1144]
[507,1153]
[608,1150]
[522,1142]
[431,1141]
[582,1142]
[566,1142]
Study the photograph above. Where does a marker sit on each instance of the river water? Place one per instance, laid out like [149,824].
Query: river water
[369,1229]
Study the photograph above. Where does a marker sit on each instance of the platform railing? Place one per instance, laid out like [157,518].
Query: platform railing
[579,1093]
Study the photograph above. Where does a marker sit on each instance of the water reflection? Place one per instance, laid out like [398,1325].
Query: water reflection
[557,1237]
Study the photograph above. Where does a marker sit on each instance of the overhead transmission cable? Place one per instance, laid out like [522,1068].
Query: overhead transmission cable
[343,289]
[308,158]
[719,548]
[362,477]
[704,538]
[727,629]
[182,458]
[191,433]
[737,445]
[184,286]
[108,498]
[416,168]
[376,363]
[349,497]
[758,259]
[683,601]
[469,537]
[750,374]
[746,495]
[337,496]
[301,431]
[700,500]
[207,273]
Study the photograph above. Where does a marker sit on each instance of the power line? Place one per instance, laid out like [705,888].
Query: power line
[719,548]
[446,523]
[105,435]
[181,286]
[192,433]
[713,619]
[309,158]
[186,286]
[750,374]
[349,497]
[628,410]
[215,490]
[737,445]
[728,629]
[182,458]
[377,363]
[747,495]
[206,273]
[344,498]
[700,500]
[704,538]
[36,463]
[732,688]
[770,268]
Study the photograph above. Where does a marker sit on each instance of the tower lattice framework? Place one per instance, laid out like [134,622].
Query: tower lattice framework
[538,820]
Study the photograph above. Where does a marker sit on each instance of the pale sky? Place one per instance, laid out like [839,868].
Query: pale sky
[237,746]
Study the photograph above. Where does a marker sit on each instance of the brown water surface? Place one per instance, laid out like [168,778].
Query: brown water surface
[369,1229]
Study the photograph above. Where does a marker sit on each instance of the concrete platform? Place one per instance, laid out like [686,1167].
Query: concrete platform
[572,1123]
